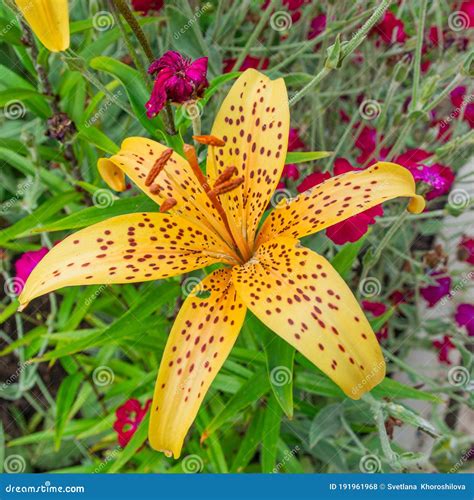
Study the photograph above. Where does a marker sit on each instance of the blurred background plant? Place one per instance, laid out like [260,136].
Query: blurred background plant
[78,367]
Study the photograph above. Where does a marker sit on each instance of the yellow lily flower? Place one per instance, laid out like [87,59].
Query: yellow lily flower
[49,20]
[293,290]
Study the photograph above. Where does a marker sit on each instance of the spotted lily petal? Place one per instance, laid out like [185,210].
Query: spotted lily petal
[49,20]
[136,158]
[124,249]
[339,198]
[254,123]
[201,338]
[300,296]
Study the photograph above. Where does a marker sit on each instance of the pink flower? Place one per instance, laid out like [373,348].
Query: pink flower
[377,309]
[249,62]
[291,171]
[413,157]
[294,140]
[466,250]
[390,30]
[444,346]
[25,265]
[317,26]
[128,417]
[353,228]
[434,293]
[467,9]
[367,143]
[144,6]
[463,105]
[178,79]
[465,317]
[293,6]
[439,177]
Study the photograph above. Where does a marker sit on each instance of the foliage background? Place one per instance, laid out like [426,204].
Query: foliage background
[95,347]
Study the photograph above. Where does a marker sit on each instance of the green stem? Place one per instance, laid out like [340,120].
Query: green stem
[128,15]
[417,64]
[355,41]
[256,32]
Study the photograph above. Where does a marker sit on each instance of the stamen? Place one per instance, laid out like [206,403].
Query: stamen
[209,140]
[227,186]
[225,176]
[168,204]
[155,189]
[190,154]
[158,166]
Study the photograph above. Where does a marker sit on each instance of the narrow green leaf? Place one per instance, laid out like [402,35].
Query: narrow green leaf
[302,157]
[252,439]
[325,424]
[345,258]
[271,434]
[64,401]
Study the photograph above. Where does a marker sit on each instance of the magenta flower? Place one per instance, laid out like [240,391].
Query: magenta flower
[249,62]
[25,264]
[128,417]
[178,79]
[439,177]
[466,250]
[377,309]
[291,171]
[434,293]
[467,9]
[353,228]
[390,30]
[465,317]
[444,346]
[367,143]
[463,105]
[317,26]
[145,6]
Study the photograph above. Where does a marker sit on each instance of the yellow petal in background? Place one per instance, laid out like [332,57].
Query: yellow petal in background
[201,338]
[49,20]
[124,249]
[339,198]
[253,121]
[300,296]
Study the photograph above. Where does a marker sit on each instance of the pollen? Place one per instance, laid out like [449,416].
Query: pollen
[168,204]
[158,166]
[209,140]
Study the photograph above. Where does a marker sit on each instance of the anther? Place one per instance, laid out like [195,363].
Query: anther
[209,140]
[225,176]
[158,166]
[227,186]
[155,189]
[168,204]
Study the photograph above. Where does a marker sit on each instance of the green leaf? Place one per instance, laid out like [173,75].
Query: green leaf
[25,226]
[95,136]
[64,401]
[249,393]
[392,389]
[325,424]
[252,438]
[378,322]
[134,86]
[280,356]
[93,215]
[297,157]
[271,434]
[137,441]
[345,258]
[412,418]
